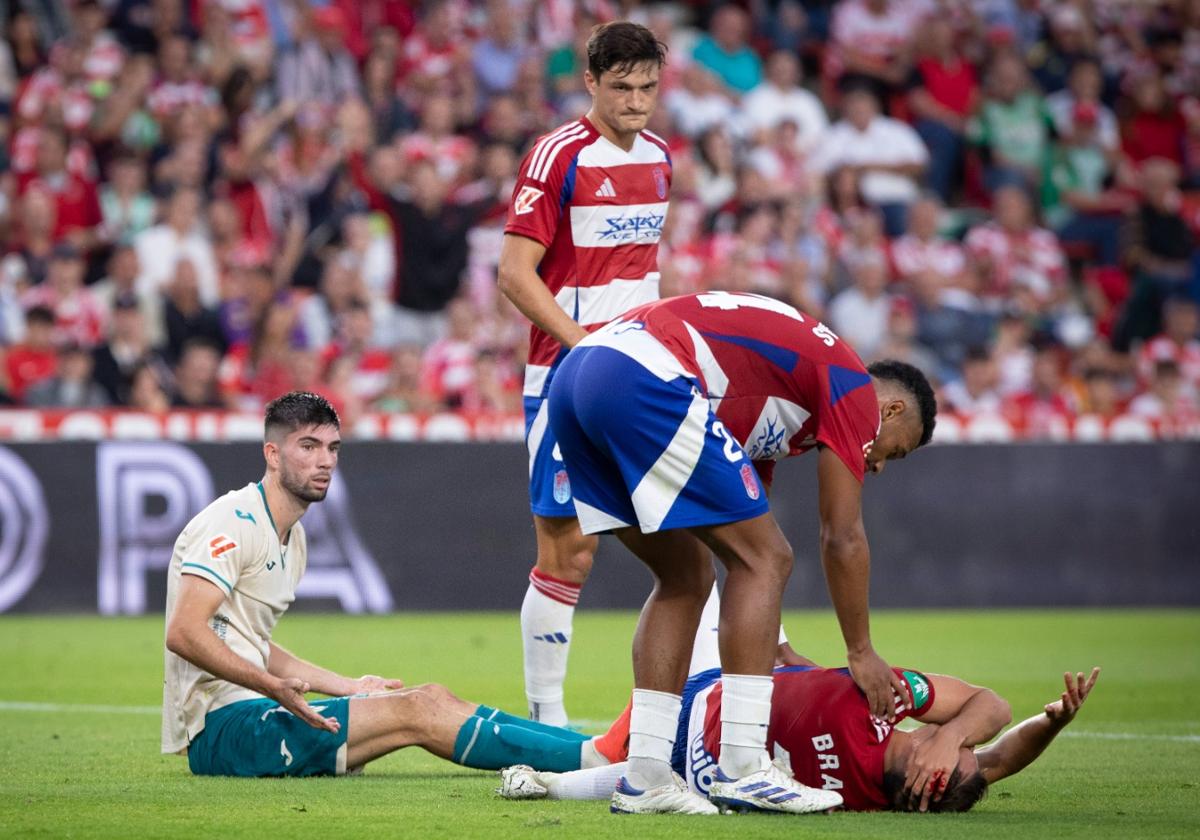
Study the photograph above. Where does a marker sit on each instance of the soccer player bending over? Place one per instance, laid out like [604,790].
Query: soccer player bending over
[670,420]
[235,702]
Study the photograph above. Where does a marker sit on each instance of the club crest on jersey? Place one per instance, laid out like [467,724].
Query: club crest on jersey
[525,199]
[562,487]
[660,182]
[750,481]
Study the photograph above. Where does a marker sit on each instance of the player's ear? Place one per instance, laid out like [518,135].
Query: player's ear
[892,408]
[590,82]
[271,454]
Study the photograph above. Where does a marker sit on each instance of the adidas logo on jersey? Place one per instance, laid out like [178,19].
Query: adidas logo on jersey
[606,189]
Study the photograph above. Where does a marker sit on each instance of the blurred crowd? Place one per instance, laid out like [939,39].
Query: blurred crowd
[207,203]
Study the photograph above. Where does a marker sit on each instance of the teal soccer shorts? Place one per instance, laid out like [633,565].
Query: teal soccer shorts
[261,738]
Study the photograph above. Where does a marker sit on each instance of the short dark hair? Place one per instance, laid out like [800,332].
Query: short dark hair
[960,794]
[296,410]
[913,381]
[618,46]
[40,315]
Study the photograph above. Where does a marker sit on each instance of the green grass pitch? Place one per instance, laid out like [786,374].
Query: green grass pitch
[1129,766]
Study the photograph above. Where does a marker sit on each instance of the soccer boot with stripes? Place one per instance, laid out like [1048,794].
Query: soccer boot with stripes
[770,789]
[671,798]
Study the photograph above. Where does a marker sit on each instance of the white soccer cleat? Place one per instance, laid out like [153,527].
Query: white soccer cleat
[521,782]
[671,798]
[771,789]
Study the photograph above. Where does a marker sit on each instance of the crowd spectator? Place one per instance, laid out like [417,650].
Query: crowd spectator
[944,93]
[72,386]
[312,194]
[887,154]
[726,50]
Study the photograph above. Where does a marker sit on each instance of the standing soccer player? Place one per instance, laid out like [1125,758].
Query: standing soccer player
[580,248]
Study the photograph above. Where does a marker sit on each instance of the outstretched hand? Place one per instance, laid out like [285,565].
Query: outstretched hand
[371,684]
[1062,711]
[290,693]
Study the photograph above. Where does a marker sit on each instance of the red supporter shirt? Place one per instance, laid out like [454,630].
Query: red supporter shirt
[27,366]
[951,85]
[599,212]
[822,720]
[781,382]
[75,199]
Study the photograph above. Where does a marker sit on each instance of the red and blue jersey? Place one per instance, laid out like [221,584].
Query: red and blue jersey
[780,381]
[599,211]
[822,721]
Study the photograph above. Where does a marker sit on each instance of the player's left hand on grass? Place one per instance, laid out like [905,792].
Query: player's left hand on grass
[878,681]
[1062,711]
[371,684]
[929,770]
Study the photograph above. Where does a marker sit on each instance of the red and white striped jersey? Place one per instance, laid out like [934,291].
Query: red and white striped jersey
[1033,259]
[599,211]
[1163,348]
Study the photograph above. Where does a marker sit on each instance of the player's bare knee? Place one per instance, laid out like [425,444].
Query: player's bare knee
[569,558]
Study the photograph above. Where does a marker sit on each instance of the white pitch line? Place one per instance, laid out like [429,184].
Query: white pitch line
[1129,736]
[23,706]
[27,706]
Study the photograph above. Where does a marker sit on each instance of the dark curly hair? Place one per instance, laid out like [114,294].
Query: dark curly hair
[619,46]
[296,410]
[913,381]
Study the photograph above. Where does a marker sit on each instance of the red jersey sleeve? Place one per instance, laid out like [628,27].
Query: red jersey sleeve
[539,195]
[850,421]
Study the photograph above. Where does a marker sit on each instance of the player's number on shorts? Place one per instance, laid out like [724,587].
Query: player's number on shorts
[733,452]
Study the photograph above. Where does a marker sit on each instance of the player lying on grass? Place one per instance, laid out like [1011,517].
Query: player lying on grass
[822,727]
[234,701]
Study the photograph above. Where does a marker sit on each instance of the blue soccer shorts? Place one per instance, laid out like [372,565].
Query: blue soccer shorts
[641,442]
[261,738]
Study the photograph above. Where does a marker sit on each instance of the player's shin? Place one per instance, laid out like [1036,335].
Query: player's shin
[653,723]
[487,745]
[497,716]
[745,714]
[546,625]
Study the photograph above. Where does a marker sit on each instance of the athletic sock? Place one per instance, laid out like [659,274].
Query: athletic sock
[487,745]
[653,723]
[596,783]
[705,652]
[745,714]
[546,616]
[590,757]
[497,716]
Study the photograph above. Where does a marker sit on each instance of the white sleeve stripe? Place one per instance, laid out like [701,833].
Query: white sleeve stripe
[567,139]
[539,150]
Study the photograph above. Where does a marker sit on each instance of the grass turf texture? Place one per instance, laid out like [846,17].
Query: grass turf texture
[98,773]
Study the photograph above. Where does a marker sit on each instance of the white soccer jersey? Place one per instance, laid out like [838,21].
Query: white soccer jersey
[232,544]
